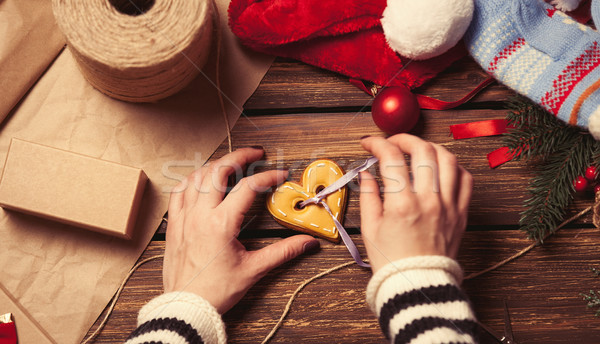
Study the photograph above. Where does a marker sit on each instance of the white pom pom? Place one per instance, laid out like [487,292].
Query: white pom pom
[421,29]
[594,124]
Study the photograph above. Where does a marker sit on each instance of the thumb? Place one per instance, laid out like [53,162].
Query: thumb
[371,207]
[270,257]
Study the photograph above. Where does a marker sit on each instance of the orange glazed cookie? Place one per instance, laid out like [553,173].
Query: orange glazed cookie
[312,219]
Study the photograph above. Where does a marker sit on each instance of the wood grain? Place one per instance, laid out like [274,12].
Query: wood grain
[292,141]
[541,288]
[294,85]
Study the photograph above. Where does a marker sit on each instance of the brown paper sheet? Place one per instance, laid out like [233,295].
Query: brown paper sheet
[64,277]
[30,40]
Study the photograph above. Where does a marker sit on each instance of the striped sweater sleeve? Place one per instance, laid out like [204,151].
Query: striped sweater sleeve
[178,318]
[418,300]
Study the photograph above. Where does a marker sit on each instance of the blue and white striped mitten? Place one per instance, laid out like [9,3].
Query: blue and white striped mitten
[541,53]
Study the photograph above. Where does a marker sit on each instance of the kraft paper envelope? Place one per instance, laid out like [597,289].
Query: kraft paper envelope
[61,278]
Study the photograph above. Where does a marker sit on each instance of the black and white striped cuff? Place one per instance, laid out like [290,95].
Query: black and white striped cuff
[179,317]
[417,300]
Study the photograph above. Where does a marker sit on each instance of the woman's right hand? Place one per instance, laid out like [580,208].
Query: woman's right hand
[423,216]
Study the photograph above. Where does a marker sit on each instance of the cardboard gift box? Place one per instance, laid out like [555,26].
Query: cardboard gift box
[75,189]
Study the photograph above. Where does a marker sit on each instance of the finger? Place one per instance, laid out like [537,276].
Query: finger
[173,235]
[392,167]
[242,196]
[176,199]
[270,257]
[449,172]
[192,186]
[214,184]
[371,207]
[465,190]
[423,161]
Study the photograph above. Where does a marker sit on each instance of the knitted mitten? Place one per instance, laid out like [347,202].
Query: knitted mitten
[595,9]
[541,53]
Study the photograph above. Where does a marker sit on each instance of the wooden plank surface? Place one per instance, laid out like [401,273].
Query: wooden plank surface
[312,136]
[293,85]
[300,113]
[541,288]
[292,141]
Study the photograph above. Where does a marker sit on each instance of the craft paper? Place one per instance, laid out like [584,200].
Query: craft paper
[29,41]
[61,278]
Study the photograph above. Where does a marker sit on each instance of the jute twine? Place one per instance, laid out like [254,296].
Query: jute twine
[146,55]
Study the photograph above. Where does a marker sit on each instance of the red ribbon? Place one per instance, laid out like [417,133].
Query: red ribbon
[500,156]
[486,128]
[429,103]
[478,129]
[490,127]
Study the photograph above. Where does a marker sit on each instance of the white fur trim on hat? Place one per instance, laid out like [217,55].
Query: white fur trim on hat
[594,124]
[421,29]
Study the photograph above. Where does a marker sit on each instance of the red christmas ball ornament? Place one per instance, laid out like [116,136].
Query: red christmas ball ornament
[395,110]
[591,173]
[580,184]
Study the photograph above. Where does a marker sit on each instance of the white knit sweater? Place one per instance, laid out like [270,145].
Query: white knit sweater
[417,300]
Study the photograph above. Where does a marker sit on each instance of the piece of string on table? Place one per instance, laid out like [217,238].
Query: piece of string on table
[217,19]
[322,274]
[117,295]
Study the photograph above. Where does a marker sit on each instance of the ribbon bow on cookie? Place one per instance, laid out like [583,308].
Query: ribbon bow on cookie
[317,206]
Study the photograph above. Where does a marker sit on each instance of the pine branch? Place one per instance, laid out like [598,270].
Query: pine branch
[552,188]
[535,132]
[593,298]
[561,152]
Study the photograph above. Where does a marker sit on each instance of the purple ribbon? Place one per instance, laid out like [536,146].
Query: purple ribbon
[335,186]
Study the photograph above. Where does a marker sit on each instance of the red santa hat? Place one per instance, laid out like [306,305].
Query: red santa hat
[371,40]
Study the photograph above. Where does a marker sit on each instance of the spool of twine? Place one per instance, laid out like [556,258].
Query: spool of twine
[137,50]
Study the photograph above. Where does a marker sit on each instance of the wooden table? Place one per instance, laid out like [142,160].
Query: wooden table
[300,113]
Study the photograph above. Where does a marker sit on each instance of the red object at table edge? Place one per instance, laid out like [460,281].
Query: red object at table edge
[8,333]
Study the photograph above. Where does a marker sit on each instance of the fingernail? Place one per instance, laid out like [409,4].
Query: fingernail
[286,173]
[258,147]
[312,246]
[364,137]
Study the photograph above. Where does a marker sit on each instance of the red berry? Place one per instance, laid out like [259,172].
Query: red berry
[596,188]
[395,110]
[591,173]
[580,184]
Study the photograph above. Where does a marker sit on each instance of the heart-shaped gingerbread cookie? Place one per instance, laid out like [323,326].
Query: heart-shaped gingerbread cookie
[312,219]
